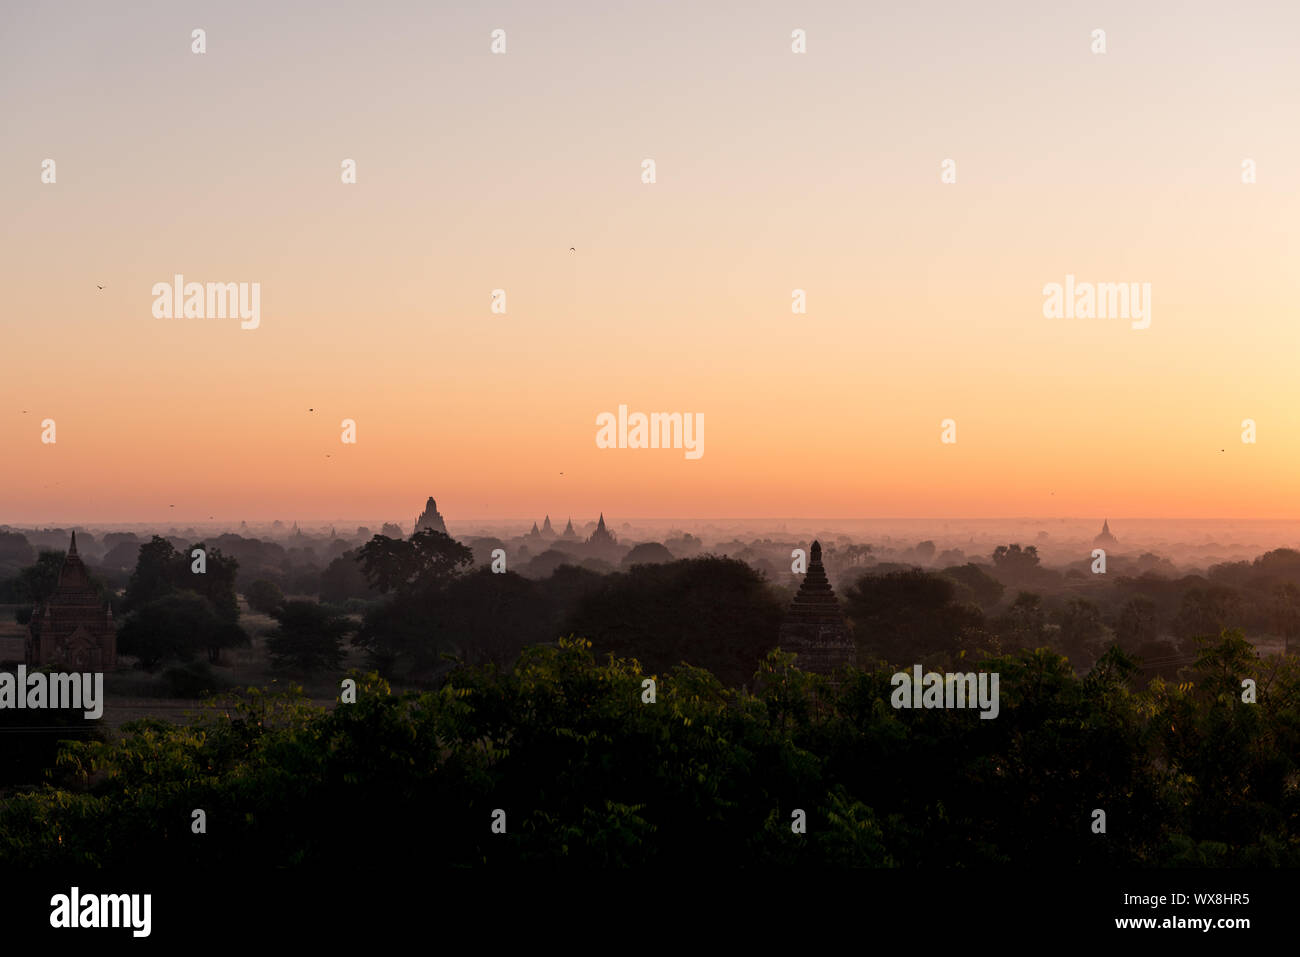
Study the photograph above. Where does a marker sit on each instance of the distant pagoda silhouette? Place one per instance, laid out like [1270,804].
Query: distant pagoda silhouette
[1105,538]
[569,533]
[602,535]
[73,628]
[547,531]
[430,518]
[814,628]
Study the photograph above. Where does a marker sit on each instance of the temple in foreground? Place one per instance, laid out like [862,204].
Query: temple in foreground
[814,628]
[72,629]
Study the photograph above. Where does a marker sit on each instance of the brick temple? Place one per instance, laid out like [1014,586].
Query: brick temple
[72,629]
[814,628]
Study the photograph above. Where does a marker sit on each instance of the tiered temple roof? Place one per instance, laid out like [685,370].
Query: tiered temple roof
[430,518]
[814,628]
[73,628]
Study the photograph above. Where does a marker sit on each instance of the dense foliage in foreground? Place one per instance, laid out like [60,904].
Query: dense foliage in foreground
[588,774]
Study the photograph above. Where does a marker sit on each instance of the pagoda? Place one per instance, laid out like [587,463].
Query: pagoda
[814,628]
[430,518]
[72,629]
[601,537]
[1105,538]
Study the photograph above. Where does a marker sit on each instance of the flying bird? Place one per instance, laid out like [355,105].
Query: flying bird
[97,284]
[571,249]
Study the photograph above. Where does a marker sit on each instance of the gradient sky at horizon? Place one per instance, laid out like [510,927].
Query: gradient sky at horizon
[776,171]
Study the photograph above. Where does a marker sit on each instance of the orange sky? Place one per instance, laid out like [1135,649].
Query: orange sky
[775,171]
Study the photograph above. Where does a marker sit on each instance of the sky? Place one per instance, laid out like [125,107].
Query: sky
[774,171]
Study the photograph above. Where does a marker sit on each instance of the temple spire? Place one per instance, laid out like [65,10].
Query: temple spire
[814,627]
[72,549]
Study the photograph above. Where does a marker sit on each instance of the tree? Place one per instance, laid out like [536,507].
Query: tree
[155,573]
[1016,564]
[264,596]
[39,581]
[713,613]
[1025,623]
[216,584]
[161,571]
[413,574]
[647,553]
[342,579]
[428,559]
[308,637]
[179,626]
[15,550]
[984,589]
[904,616]
[1207,612]
[1083,635]
[1137,623]
[486,616]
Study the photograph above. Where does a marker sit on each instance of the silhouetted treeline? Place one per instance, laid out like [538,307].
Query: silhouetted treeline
[566,754]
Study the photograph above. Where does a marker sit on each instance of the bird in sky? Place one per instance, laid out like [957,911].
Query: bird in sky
[97,284]
[571,249]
